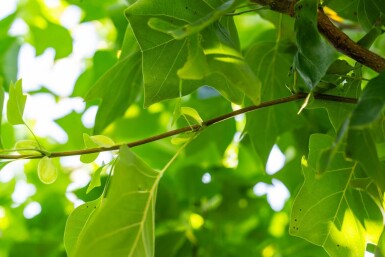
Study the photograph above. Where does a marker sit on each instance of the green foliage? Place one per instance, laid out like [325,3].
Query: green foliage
[176,68]
[126,211]
[314,54]
[169,42]
[16,104]
[343,217]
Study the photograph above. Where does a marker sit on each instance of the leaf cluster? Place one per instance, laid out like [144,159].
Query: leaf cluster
[184,69]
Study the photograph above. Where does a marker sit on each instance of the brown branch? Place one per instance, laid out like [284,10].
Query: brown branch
[334,35]
[192,128]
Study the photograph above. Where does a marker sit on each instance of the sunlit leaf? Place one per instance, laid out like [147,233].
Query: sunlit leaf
[102,141]
[328,212]
[117,89]
[52,35]
[196,66]
[95,179]
[16,103]
[179,140]
[27,144]
[211,57]
[76,222]
[89,143]
[1,106]
[191,112]
[380,249]
[123,225]
[46,170]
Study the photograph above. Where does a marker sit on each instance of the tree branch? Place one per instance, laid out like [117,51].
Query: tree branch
[192,128]
[334,35]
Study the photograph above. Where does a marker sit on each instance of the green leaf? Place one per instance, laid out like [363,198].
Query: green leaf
[342,84]
[46,170]
[95,179]
[326,156]
[196,66]
[23,145]
[211,57]
[76,222]
[314,55]
[371,104]
[89,143]
[362,148]
[328,212]
[180,139]
[196,26]
[9,54]
[369,38]
[102,141]
[380,249]
[369,12]
[52,35]
[117,89]
[124,223]
[2,93]
[271,61]
[16,103]
[191,112]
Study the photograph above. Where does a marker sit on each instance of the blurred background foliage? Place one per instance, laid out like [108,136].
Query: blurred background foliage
[217,199]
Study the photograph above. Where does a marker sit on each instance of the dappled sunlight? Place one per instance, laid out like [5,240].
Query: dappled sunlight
[278,224]
[196,221]
[230,158]
[343,233]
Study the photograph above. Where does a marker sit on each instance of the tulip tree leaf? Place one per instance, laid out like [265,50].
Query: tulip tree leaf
[28,147]
[95,179]
[123,224]
[328,212]
[53,35]
[117,89]
[209,49]
[76,222]
[362,148]
[272,63]
[371,104]
[314,54]
[16,103]
[46,170]
[89,143]
[369,12]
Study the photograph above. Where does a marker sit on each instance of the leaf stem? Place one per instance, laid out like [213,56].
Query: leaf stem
[191,128]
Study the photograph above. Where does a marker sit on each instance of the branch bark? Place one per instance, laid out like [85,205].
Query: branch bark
[193,128]
[334,35]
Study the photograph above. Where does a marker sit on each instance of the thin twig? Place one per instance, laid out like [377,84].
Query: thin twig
[192,128]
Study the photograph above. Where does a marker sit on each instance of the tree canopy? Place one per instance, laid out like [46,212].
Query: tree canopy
[195,101]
